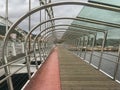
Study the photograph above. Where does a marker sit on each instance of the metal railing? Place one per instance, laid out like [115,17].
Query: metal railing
[112,70]
[42,46]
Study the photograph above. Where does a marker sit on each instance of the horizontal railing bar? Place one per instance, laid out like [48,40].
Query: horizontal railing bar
[11,74]
[105,58]
[17,60]
[107,54]
[99,22]
[111,54]
[12,62]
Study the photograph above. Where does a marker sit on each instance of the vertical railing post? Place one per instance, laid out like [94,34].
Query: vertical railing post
[39,43]
[7,72]
[78,46]
[92,48]
[117,64]
[45,47]
[43,50]
[6,21]
[83,49]
[74,46]
[29,25]
[81,46]
[34,53]
[39,48]
[86,47]
[29,44]
[7,69]
[45,17]
[102,49]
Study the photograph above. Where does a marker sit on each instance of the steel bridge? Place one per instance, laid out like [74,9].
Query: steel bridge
[62,56]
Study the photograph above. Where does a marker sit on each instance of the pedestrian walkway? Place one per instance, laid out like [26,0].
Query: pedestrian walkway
[47,77]
[74,73]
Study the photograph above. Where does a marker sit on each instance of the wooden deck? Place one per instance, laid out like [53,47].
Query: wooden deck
[75,74]
[64,71]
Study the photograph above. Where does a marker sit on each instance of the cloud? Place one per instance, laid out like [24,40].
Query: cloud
[19,7]
[16,8]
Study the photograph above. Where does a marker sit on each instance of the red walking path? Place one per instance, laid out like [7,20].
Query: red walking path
[47,77]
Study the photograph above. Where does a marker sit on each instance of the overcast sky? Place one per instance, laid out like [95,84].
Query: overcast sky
[19,7]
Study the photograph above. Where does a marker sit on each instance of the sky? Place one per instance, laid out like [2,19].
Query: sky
[19,7]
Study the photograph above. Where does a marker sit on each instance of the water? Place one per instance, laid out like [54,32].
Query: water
[108,64]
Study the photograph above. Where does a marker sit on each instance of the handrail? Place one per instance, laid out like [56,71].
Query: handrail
[9,63]
[42,36]
[57,4]
[105,58]
[11,74]
[66,38]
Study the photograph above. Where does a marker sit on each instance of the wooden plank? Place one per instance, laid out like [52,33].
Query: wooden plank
[76,74]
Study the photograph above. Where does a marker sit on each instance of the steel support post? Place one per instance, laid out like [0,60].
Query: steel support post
[83,43]
[81,46]
[29,25]
[43,51]
[74,47]
[39,44]
[117,64]
[45,48]
[86,46]
[102,49]
[39,50]
[29,44]
[6,22]
[34,53]
[92,48]
[78,47]
[28,65]
[7,72]
[7,69]
[45,17]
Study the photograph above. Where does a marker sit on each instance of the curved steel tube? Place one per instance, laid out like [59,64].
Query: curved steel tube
[45,30]
[51,5]
[48,32]
[68,18]
[56,4]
